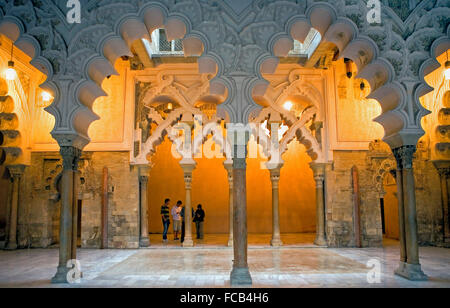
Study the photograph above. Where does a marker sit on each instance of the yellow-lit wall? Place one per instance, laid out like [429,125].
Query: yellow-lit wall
[210,188]
[391,207]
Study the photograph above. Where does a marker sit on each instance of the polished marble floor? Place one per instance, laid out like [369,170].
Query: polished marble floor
[210,267]
[303,240]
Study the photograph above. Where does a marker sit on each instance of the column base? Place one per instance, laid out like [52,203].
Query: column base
[320,241]
[11,246]
[230,242]
[61,275]
[187,243]
[410,272]
[240,276]
[144,242]
[276,242]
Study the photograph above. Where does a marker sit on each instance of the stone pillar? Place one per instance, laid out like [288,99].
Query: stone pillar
[410,269]
[319,177]
[443,168]
[187,169]
[229,167]
[144,240]
[240,274]
[275,178]
[70,156]
[16,172]
[76,179]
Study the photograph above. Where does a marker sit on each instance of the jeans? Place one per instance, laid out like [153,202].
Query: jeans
[166,224]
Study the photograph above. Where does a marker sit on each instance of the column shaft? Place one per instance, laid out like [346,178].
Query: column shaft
[75,214]
[144,240]
[319,176]
[401,215]
[230,205]
[16,172]
[188,168]
[276,237]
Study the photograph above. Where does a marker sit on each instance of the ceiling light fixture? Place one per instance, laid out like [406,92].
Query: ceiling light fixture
[10,72]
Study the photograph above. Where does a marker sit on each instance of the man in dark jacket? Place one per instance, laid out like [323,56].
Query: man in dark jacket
[199,219]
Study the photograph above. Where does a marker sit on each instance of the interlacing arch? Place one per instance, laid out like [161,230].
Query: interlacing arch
[185,97]
[297,126]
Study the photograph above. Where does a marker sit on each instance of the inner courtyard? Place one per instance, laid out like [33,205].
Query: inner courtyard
[315,142]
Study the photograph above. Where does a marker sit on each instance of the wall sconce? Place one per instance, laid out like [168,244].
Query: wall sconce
[288,105]
[348,67]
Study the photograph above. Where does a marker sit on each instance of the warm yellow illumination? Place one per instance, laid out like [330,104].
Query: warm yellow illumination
[10,73]
[169,106]
[46,97]
[447,70]
[288,105]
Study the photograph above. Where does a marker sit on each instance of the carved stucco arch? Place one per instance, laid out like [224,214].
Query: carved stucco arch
[235,45]
[386,166]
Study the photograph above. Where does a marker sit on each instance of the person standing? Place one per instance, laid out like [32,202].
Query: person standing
[165,215]
[199,219]
[176,217]
[183,224]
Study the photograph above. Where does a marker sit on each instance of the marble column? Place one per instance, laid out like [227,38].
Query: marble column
[319,177]
[411,269]
[443,168]
[240,275]
[275,178]
[16,172]
[144,240]
[70,156]
[187,169]
[229,167]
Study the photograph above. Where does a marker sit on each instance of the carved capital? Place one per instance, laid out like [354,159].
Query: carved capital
[16,171]
[404,156]
[443,168]
[71,156]
[319,173]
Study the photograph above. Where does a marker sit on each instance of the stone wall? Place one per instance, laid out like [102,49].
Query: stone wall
[339,202]
[39,205]
[339,198]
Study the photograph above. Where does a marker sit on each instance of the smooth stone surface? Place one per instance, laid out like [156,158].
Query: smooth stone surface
[210,267]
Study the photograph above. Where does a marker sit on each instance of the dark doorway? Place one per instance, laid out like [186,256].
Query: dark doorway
[383,222]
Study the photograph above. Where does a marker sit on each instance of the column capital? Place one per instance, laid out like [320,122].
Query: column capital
[144,171]
[71,156]
[16,171]
[187,169]
[275,174]
[443,168]
[404,156]
[318,171]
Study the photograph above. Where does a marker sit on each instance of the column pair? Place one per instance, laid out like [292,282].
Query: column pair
[68,213]
[409,266]
[16,172]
